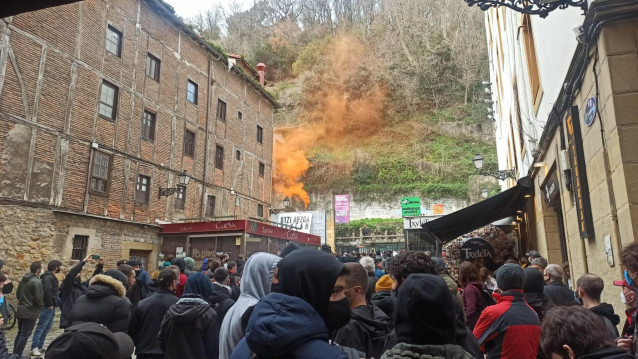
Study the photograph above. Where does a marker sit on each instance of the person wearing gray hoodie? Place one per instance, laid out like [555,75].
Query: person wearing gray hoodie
[255,284]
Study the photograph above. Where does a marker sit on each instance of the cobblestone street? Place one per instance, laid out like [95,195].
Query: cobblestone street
[53,333]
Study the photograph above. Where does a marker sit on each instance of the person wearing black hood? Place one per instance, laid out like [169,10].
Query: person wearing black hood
[289,248]
[369,326]
[589,287]
[425,319]
[221,297]
[181,264]
[104,302]
[240,265]
[302,314]
[534,292]
[189,328]
[147,317]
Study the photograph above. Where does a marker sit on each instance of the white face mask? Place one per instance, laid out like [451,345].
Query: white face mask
[622,298]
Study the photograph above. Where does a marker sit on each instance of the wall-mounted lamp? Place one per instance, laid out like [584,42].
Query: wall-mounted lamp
[182,181]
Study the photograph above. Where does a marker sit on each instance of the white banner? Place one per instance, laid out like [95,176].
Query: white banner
[416,222]
[300,221]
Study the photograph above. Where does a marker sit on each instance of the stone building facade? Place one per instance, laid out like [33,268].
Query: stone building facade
[103,102]
[566,109]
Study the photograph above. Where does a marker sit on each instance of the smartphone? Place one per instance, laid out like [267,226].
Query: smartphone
[95,256]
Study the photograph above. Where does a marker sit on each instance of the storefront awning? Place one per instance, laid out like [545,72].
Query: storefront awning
[466,220]
[15,7]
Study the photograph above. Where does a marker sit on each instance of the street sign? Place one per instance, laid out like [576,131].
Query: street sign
[410,206]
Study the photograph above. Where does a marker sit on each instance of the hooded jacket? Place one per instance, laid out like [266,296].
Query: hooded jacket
[534,292]
[383,301]
[366,331]
[104,303]
[425,319]
[147,321]
[190,264]
[190,327]
[30,296]
[220,299]
[509,329]
[256,283]
[283,326]
[51,289]
[606,311]
[296,315]
[71,289]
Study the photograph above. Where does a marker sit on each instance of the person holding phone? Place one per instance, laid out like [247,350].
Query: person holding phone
[73,288]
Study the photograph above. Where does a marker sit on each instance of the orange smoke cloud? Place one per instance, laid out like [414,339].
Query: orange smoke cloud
[346,105]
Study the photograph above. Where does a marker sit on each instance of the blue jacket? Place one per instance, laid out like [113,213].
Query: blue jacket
[286,327]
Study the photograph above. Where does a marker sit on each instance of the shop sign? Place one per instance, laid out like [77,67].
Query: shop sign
[551,190]
[590,110]
[299,221]
[579,178]
[417,222]
[476,248]
[410,206]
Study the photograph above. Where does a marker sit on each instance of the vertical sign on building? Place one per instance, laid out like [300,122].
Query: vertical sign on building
[581,186]
[342,208]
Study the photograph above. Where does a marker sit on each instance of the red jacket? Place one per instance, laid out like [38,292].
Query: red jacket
[179,291]
[509,329]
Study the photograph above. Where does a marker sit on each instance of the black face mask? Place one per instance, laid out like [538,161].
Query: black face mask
[337,314]
[274,288]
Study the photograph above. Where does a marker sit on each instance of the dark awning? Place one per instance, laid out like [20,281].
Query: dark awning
[15,7]
[466,220]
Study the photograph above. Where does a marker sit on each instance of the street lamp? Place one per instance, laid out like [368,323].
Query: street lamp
[286,202]
[501,175]
[484,193]
[182,181]
[541,8]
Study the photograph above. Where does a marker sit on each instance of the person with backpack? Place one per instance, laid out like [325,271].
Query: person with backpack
[474,298]
[369,326]
[509,329]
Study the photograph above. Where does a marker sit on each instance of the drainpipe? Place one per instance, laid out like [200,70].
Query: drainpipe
[209,85]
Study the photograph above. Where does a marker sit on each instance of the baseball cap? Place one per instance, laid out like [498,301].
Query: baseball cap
[623,283]
[533,253]
[90,341]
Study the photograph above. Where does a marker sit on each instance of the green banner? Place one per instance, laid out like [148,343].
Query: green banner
[410,206]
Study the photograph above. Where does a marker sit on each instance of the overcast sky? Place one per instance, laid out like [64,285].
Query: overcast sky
[189,8]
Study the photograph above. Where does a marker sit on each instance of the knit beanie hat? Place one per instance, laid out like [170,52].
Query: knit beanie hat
[510,276]
[384,284]
[117,275]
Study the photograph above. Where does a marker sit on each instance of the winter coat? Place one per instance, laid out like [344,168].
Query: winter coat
[235,291]
[221,301]
[255,285]
[240,267]
[147,321]
[51,289]
[409,351]
[103,303]
[473,301]
[179,291]
[30,297]
[283,326]
[628,328]
[608,353]
[560,294]
[383,300]
[606,311]
[71,289]
[189,330]
[366,332]
[509,329]
[454,290]
[144,280]
[372,282]
[4,352]
[539,302]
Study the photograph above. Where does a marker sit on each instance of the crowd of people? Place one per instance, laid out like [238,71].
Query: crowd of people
[306,303]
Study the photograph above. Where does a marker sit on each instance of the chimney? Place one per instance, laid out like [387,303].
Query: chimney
[261,70]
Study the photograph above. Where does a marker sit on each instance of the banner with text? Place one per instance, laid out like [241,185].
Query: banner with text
[342,208]
[299,221]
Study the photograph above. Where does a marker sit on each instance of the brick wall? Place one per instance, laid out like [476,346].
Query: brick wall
[54,61]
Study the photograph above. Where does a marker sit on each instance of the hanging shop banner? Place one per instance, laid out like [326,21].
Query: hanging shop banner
[580,184]
[475,248]
[551,190]
[410,206]
[590,110]
[299,221]
[342,208]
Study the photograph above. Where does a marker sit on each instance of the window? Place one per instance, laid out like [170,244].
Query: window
[238,155]
[148,126]
[152,67]
[219,157]
[113,44]
[221,110]
[180,197]
[108,100]
[260,210]
[189,143]
[80,247]
[262,169]
[100,173]
[210,208]
[143,189]
[191,92]
[260,134]
[532,64]
[240,115]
